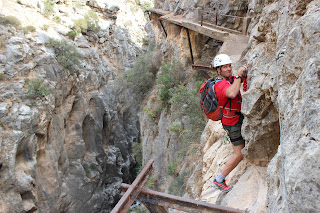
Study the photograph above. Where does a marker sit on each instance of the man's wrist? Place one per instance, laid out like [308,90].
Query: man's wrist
[238,76]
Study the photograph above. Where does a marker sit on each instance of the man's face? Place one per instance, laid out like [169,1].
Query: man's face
[225,70]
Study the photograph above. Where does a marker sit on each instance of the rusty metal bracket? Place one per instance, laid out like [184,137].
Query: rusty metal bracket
[133,191]
[203,69]
[164,29]
[190,47]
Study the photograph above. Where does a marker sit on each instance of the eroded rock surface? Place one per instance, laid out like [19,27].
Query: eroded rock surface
[69,150]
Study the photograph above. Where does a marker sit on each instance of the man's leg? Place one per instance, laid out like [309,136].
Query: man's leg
[237,156]
[237,145]
[234,160]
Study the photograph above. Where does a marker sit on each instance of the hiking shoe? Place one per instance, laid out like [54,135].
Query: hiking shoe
[222,186]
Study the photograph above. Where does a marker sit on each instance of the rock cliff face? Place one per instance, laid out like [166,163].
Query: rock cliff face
[67,151]
[283,81]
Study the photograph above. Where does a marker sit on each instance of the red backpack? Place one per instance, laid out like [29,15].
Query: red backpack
[209,100]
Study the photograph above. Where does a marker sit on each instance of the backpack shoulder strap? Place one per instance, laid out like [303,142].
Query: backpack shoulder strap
[229,99]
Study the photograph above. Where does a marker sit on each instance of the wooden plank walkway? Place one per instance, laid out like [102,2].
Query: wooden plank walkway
[234,42]
[210,30]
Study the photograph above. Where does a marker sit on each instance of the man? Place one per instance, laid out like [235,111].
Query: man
[228,94]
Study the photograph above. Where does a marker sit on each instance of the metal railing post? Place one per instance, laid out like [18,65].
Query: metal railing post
[217,18]
[246,21]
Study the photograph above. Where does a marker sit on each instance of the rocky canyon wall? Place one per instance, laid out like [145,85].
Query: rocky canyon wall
[67,150]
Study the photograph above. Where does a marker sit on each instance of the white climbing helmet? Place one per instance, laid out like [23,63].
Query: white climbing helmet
[221,59]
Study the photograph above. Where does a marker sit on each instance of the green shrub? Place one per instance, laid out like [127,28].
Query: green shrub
[93,167]
[10,20]
[36,89]
[179,185]
[67,55]
[28,29]
[57,19]
[92,20]
[80,25]
[88,173]
[149,112]
[45,27]
[137,150]
[2,44]
[172,168]
[48,8]
[185,103]
[169,76]
[72,34]
[146,5]
[140,78]
[176,128]
[151,182]
[2,76]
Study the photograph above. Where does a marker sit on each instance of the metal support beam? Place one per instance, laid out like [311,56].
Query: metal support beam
[207,41]
[190,47]
[133,191]
[179,203]
[202,67]
[164,30]
[203,70]
[245,24]
[149,15]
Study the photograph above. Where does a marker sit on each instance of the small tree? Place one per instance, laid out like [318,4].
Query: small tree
[36,88]
[48,8]
[92,20]
[10,20]
[185,104]
[67,55]
[72,34]
[169,76]
[28,29]
[140,78]
[80,25]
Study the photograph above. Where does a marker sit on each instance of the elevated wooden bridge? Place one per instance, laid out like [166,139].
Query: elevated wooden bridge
[198,24]
[234,42]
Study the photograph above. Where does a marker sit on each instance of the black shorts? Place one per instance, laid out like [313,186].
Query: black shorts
[234,133]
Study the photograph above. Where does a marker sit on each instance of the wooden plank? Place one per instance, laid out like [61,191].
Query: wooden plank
[158,11]
[133,191]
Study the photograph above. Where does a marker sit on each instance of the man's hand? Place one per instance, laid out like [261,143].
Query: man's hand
[234,89]
[242,70]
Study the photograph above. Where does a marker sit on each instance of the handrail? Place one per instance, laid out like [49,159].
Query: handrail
[223,14]
[216,14]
